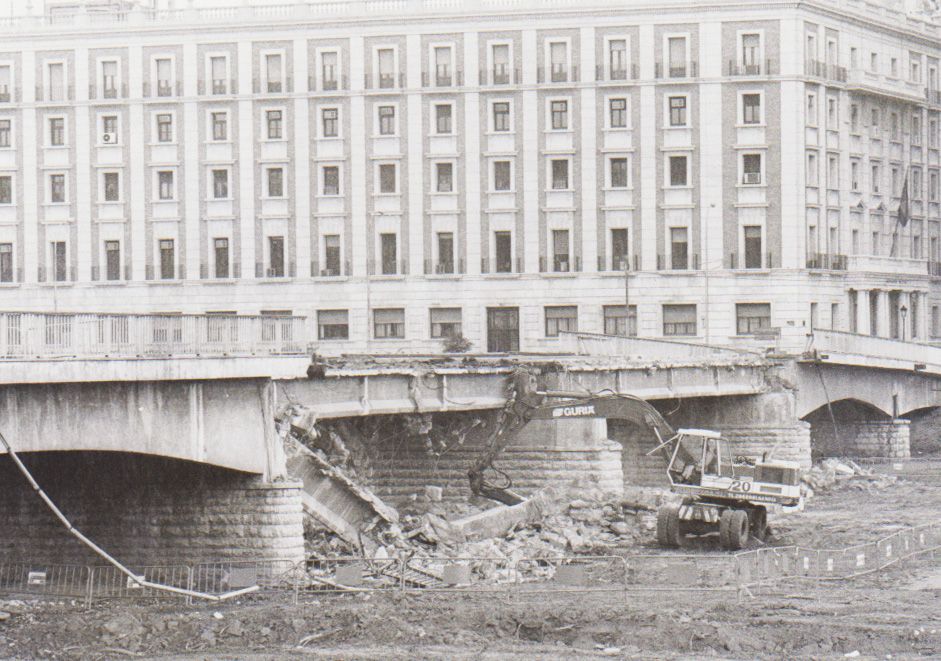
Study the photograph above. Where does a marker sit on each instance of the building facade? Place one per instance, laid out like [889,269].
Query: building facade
[404,172]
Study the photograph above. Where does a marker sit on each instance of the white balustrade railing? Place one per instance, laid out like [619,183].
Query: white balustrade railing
[27,335]
[877,348]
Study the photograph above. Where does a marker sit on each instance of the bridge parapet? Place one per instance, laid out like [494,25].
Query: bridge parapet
[31,336]
[876,352]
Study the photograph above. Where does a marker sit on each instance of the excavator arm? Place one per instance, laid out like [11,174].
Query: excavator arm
[525,403]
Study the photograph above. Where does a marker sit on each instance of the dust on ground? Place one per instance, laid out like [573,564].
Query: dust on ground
[892,614]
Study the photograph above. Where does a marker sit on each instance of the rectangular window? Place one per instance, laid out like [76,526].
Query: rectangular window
[273,120]
[751,53]
[676,48]
[751,108]
[501,176]
[275,182]
[387,178]
[561,318]
[220,247]
[56,74]
[275,257]
[812,109]
[443,119]
[503,251]
[876,178]
[112,260]
[164,127]
[445,322]
[331,254]
[331,180]
[329,65]
[5,133]
[500,56]
[679,248]
[59,263]
[445,253]
[220,184]
[109,129]
[501,116]
[854,118]
[560,174]
[619,322]
[386,57]
[560,115]
[620,260]
[218,70]
[273,72]
[164,71]
[6,262]
[442,66]
[560,251]
[933,186]
[389,323]
[6,189]
[617,59]
[617,109]
[444,177]
[558,58]
[333,324]
[854,175]
[167,259]
[812,173]
[388,247]
[619,172]
[751,168]
[894,129]
[751,318]
[165,185]
[6,79]
[679,320]
[112,186]
[753,248]
[677,111]
[331,122]
[57,131]
[220,126]
[57,188]
[916,129]
[386,120]
[328,70]
[109,79]
[678,171]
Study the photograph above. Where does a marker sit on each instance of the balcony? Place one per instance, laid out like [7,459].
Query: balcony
[749,261]
[332,269]
[889,265]
[690,70]
[934,269]
[53,95]
[819,69]
[443,79]
[384,81]
[501,266]
[689,263]
[765,68]
[6,94]
[933,96]
[617,264]
[558,73]
[826,261]
[602,74]
[560,264]
[332,84]
[870,82]
[500,74]
[447,267]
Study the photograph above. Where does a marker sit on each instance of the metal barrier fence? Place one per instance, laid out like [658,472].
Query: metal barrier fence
[667,572]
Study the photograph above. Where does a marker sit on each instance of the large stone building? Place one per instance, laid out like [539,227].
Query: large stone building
[402,171]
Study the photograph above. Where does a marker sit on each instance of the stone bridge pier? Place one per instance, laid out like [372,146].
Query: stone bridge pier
[755,424]
[850,428]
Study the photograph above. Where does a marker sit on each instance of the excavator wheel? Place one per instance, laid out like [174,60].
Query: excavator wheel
[759,523]
[725,521]
[668,526]
[736,526]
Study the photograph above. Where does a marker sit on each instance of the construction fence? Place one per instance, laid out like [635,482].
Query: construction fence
[742,572]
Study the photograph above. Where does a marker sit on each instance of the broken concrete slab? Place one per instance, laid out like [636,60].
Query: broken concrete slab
[345,507]
[497,521]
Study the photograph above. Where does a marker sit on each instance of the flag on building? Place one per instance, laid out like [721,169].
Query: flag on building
[904,212]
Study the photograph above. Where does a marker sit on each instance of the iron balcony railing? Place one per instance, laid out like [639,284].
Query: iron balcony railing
[826,261]
[28,335]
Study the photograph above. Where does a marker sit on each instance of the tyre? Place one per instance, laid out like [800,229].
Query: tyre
[725,522]
[738,529]
[758,519]
[668,526]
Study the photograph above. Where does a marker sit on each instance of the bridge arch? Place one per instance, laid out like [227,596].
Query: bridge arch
[853,427]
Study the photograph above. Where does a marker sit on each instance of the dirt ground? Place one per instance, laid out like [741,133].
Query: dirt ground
[893,614]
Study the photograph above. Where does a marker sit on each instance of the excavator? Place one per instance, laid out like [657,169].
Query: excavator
[722,492]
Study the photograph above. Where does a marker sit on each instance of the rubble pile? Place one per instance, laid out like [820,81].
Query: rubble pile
[832,473]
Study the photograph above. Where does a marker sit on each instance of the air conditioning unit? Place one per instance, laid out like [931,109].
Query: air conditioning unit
[328,273]
[752,177]
[109,138]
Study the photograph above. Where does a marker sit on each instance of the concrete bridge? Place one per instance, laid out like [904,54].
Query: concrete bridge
[124,414]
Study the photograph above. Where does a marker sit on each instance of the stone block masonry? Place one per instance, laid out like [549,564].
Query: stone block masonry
[145,510]
[870,438]
[543,453]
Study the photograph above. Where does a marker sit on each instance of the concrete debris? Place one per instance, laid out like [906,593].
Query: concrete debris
[434,493]
[4,616]
[833,472]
